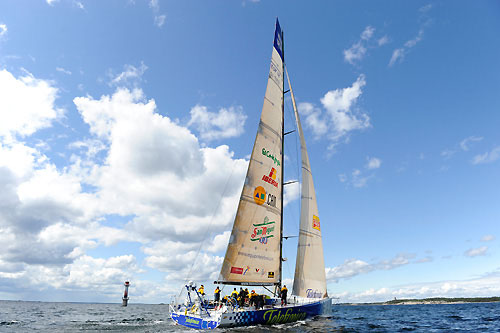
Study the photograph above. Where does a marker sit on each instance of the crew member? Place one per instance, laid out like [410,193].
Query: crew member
[253,298]
[217,295]
[201,290]
[234,294]
[284,291]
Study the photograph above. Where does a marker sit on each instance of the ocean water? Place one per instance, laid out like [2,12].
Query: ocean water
[81,317]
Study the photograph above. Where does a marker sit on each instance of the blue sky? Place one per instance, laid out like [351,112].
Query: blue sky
[126,126]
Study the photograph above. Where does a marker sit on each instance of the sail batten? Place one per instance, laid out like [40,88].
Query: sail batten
[253,253]
[310,279]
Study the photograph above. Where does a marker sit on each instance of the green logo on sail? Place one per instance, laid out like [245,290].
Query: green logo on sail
[266,152]
[262,231]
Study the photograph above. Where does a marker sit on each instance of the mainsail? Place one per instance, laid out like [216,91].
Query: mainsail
[310,279]
[253,253]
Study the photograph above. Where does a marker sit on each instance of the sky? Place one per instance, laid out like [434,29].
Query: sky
[126,129]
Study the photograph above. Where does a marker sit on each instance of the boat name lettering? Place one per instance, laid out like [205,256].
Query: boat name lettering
[266,153]
[262,231]
[280,317]
[254,256]
[313,293]
[192,321]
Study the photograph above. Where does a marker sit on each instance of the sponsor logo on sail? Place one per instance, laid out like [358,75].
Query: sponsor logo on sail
[316,224]
[271,179]
[246,270]
[263,231]
[266,153]
[313,293]
[270,275]
[259,195]
[236,270]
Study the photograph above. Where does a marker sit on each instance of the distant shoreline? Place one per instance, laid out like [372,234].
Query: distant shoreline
[434,300]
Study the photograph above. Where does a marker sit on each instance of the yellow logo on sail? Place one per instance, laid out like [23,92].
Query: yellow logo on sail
[259,195]
[316,224]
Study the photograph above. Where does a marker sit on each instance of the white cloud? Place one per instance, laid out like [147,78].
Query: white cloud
[487,238]
[354,267]
[367,33]
[291,193]
[358,50]
[79,4]
[159,19]
[139,165]
[483,286]
[131,76]
[358,179]
[383,40]
[373,163]
[466,143]
[480,251]
[340,116]
[27,105]
[3,29]
[487,157]
[355,53]
[51,2]
[313,118]
[62,70]
[399,54]
[227,123]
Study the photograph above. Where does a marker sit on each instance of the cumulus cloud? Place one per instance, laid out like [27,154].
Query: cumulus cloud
[27,105]
[340,116]
[474,252]
[139,165]
[227,123]
[488,157]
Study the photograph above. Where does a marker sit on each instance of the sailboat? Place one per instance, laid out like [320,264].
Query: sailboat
[254,253]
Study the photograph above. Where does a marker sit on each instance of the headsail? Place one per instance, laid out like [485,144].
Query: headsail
[253,253]
[310,278]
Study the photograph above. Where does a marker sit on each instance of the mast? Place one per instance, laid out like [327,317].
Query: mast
[282,157]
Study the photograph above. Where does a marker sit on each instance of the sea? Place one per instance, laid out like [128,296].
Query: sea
[19,316]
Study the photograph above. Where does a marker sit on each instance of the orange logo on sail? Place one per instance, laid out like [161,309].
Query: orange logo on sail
[259,195]
[316,224]
[271,179]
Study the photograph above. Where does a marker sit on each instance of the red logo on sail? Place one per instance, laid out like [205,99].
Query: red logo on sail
[236,270]
[271,179]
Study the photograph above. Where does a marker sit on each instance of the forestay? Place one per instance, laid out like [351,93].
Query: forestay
[253,253]
[309,280]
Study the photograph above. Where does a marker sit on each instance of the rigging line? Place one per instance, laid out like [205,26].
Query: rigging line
[210,224]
